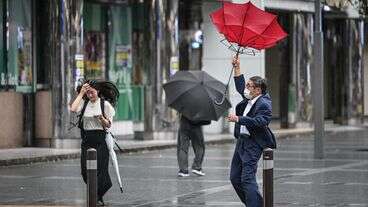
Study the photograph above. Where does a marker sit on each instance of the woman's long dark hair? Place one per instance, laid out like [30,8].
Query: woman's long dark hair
[106,90]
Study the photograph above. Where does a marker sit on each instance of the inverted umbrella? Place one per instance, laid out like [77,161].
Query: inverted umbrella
[246,28]
[194,93]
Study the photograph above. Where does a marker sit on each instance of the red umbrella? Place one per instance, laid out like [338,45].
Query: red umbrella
[247,26]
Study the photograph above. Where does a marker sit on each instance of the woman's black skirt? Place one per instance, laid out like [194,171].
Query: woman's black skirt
[96,139]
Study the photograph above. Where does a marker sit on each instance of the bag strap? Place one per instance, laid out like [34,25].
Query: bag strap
[102,105]
[80,125]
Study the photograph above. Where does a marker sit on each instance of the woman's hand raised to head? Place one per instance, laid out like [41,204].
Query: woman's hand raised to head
[84,88]
[74,106]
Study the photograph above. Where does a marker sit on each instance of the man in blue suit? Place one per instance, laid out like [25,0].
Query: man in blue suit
[253,115]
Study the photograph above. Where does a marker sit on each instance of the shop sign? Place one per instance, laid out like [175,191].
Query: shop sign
[174,65]
[123,56]
[79,68]
[24,56]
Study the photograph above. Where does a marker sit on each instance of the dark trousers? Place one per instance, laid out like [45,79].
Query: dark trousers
[190,133]
[96,139]
[243,172]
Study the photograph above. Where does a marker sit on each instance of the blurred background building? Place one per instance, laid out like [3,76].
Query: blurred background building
[46,47]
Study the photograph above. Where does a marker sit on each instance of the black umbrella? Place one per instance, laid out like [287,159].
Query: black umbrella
[196,95]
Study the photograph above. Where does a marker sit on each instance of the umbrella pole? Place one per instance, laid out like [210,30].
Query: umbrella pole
[228,82]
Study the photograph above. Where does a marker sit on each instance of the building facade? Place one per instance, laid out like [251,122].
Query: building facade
[47,47]
[288,66]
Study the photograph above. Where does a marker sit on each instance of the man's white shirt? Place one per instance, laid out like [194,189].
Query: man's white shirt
[243,128]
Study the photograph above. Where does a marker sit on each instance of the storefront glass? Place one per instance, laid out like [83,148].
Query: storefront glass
[94,41]
[130,106]
[303,28]
[19,73]
[108,47]
[3,73]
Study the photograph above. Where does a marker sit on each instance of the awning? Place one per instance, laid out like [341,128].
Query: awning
[290,5]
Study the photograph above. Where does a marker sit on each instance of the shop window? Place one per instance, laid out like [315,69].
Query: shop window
[94,41]
[130,106]
[120,53]
[44,53]
[108,46]
[19,56]
[3,70]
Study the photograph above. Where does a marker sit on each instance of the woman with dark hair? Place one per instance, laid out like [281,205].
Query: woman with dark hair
[96,116]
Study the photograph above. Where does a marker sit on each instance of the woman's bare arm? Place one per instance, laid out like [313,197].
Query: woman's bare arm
[74,106]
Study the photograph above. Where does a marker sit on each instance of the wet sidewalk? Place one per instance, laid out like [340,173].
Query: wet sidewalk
[28,155]
[150,178]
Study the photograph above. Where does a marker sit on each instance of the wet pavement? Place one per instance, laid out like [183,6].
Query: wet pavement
[341,179]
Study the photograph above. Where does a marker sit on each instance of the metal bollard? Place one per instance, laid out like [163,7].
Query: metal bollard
[268,178]
[91,177]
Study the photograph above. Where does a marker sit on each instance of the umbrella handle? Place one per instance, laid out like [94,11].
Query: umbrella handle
[222,99]
[116,144]
[225,92]
[228,82]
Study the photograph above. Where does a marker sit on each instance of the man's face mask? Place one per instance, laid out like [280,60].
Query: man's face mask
[247,94]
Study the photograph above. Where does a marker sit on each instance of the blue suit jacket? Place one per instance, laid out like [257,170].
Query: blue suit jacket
[257,119]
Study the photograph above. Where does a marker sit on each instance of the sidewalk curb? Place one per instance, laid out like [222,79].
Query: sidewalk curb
[134,149]
[30,160]
[224,139]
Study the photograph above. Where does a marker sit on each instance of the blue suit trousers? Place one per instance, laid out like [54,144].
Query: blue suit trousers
[243,171]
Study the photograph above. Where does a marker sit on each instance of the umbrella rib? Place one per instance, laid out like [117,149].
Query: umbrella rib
[257,37]
[206,92]
[275,17]
[223,14]
[212,102]
[243,24]
[184,73]
[181,94]
[214,81]
[175,81]
[252,39]
[193,76]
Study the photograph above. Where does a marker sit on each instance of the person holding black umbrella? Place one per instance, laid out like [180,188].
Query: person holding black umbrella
[190,132]
[253,115]
[199,98]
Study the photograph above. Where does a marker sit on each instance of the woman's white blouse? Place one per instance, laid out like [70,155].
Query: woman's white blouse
[90,122]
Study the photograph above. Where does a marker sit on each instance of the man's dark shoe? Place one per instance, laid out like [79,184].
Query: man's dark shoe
[182,173]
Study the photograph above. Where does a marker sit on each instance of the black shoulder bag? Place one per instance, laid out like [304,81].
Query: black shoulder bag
[80,118]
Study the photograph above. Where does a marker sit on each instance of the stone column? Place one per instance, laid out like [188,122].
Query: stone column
[155,47]
[355,45]
[65,40]
[303,62]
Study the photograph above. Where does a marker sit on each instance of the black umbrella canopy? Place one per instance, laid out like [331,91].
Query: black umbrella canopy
[194,94]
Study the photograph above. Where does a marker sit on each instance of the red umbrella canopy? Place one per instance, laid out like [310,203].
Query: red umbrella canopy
[247,25]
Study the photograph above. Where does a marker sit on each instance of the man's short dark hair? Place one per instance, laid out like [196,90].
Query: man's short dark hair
[259,82]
